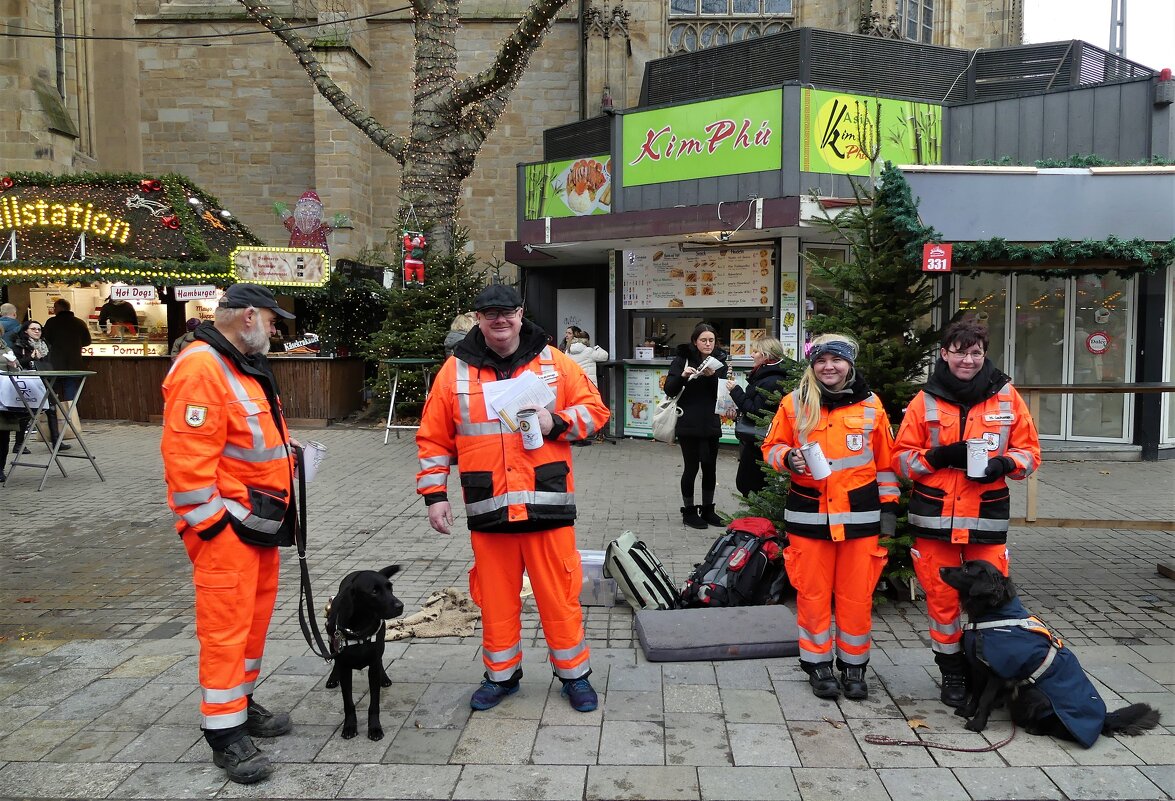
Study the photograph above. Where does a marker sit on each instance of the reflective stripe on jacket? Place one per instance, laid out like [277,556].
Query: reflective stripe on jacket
[945,504]
[857,441]
[224,450]
[501,481]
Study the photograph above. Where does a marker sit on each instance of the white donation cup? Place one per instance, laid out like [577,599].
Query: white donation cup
[818,465]
[528,426]
[313,454]
[976,457]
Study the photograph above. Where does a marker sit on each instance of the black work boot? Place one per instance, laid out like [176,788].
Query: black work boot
[823,681]
[690,516]
[263,723]
[852,678]
[243,761]
[706,512]
[954,688]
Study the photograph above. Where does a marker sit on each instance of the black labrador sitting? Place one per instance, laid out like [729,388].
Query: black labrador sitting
[355,624]
[1014,658]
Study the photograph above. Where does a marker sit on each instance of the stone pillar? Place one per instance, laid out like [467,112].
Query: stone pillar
[114,89]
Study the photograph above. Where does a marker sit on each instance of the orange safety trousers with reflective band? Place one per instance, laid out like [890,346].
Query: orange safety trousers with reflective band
[847,571]
[942,600]
[236,584]
[551,560]
[222,449]
[857,441]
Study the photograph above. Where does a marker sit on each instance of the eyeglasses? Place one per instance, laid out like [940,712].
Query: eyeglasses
[494,314]
[34,328]
[973,355]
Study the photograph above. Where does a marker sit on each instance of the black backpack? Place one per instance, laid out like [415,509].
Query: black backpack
[744,567]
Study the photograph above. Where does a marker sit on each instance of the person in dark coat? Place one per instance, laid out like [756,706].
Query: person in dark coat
[32,351]
[698,427]
[66,335]
[768,376]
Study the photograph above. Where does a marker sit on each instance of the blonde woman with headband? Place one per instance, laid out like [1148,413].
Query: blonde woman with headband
[834,523]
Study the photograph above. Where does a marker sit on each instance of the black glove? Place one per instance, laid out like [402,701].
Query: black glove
[889,524]
[997,467]
[953,455]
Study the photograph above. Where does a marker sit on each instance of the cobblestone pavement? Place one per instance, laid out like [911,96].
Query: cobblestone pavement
[98,693]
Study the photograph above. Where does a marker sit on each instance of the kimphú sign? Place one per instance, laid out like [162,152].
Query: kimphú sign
[729,136]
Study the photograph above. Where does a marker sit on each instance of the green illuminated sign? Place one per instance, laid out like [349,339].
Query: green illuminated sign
[704,140]
[838,132]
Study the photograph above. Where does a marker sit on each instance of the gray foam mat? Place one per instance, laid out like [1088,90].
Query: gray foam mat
[741,632]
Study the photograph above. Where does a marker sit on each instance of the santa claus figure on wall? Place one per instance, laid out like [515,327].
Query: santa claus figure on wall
[305,224]
[414,245]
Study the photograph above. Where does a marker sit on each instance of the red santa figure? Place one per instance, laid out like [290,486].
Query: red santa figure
[414,245]
[305,224]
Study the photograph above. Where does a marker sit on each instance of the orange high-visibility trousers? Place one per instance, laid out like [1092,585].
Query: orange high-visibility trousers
[551,560]
[236,585]
[822,570]
[942,600]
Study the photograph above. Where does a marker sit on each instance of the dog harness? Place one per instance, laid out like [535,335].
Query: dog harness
[343,638]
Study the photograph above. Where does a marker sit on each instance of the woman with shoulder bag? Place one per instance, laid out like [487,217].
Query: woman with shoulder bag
[11,420]
[833,523]
[33,353]
[698,426]
[767,377]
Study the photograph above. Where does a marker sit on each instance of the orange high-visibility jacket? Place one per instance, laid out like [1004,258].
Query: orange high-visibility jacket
[857,441]
[945,504]
[505,487]
[226,454]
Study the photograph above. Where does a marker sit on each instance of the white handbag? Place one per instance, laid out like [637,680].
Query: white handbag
[665,419]
[14,388]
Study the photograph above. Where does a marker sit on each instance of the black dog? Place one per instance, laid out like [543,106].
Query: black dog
[355,623]
[1013,657]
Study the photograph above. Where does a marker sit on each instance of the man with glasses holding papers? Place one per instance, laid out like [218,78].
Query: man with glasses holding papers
[519,503]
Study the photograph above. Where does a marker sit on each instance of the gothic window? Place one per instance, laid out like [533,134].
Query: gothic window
[917,19]
[699,24]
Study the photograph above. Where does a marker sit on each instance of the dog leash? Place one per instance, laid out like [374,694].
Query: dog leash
[881,739]
[306,617]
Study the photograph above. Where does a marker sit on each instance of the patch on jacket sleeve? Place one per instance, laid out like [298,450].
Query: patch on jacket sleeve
[195,416]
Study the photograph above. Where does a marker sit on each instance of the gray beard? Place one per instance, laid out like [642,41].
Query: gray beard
[307,220]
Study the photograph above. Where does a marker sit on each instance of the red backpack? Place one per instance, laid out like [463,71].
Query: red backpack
[744,567]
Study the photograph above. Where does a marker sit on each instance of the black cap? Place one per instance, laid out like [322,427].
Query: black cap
[242,296]
[497,296]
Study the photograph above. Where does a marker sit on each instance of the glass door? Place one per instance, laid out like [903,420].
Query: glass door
[986,296]
[1169,363]
[1103,349]
[1039,345]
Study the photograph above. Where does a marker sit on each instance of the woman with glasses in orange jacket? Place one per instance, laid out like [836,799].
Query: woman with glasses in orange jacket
[834,524]
[953,516]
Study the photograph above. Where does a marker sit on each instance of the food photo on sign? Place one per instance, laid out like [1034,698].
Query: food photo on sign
[573,188]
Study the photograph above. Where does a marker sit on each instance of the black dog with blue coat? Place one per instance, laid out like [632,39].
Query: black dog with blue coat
[355,624]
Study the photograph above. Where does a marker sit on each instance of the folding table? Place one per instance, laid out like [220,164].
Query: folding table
[49,379]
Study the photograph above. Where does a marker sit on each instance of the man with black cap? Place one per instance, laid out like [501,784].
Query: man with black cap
[228,462]
[520,502]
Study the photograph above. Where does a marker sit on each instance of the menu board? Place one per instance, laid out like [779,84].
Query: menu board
[644,389]
[667,277]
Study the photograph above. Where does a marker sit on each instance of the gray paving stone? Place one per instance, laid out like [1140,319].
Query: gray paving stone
[616,783]
[634,678]
[1007,784]
[890,756]
[1026,750]
[566,745]
[36,739]
[673,673]
[825,744]
[148,704]
[306,742]
[746,784]
[747,674]
[750,706]
[401,781]
[1082,783]
[358,749]
[937,783]
[1124,679]
[46,780]
[442,706]
[692,698]
[1163,777]
[293,781]
[13,718]
[1105,751]
[487,741]
[1153,748]
[143,665]
[91,746]
[762,744]
[171,781]
[93,700]
[798,703]
[540,783]
[624,742]
[823,784]
[696,739]
[629,705]
[422,746]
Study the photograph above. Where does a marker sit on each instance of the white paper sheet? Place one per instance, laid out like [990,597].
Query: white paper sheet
[504,398]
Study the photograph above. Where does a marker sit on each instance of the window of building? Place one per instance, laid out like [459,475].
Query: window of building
[917,19]
[699,24]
